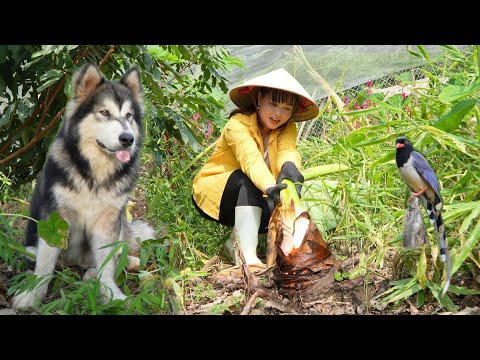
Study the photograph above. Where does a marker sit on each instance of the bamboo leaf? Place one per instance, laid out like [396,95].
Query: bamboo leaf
[477,48]
[390,156]
[467,248]
[420,298]
[357,113]
[456,211]
[453,93]
[468,220]
[116,247]
[445,301]
[422,268]
[385,105]
[454,141]
[122,260]
[398,287]
[454,118]
[462,291]
[405,293]
[414,53]
[424,52]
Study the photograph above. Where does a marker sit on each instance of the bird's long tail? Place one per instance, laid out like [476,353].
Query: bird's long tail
[436,219]
[442,243]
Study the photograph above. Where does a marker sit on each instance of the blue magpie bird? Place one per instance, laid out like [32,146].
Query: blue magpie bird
[420,178]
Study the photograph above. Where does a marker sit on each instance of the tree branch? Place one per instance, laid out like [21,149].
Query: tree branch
[32,142]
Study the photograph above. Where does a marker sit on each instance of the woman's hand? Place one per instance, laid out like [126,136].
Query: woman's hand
[273,192]
[290,172]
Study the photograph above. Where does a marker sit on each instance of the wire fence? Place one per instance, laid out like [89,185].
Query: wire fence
[338,71]
[388,85]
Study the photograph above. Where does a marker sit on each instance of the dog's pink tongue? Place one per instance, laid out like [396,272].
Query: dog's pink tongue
[123,156]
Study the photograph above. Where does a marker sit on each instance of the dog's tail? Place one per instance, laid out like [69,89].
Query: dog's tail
[136,232]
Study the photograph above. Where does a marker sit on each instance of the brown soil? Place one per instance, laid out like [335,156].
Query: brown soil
[230,290]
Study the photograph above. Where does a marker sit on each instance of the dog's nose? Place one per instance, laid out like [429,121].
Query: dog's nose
[126,139]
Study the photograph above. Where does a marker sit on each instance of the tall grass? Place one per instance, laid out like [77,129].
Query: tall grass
[442,123]
[360,211]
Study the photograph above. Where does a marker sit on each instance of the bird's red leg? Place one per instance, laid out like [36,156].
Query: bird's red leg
[415,194]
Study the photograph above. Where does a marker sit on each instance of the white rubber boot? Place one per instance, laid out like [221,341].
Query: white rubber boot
[247,223]
[230,246]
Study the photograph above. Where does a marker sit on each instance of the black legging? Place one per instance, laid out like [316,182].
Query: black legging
[241,191]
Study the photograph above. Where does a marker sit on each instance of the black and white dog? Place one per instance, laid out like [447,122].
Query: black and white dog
[90,170]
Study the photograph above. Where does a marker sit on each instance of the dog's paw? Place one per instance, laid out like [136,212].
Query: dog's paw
[111,292]
[91,273]
[24,300]
[133,263]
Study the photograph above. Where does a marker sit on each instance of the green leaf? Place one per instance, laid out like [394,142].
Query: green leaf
[52,73]
[462,291]
[454,117]
[396,101]
[399,287]
[24,110]
[469,219]
[116,247]
[5,118]
[122,260]
[453,93]
[424,52]
[338,276]
[384,105]
[405,293]
[477,48]
[468,246]
[154,86]
[3,53]
[390,156]
[422,268]
[361,112]
[404,78]
[54,231]
[414,53]
[420,298]
[445,301]
[47,84]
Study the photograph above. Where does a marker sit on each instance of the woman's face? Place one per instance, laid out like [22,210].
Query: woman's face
[272,114]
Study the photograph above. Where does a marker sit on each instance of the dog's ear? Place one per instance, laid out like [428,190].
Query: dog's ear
[132,80]
[87,79]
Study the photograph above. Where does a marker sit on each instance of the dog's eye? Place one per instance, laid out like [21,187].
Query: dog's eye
[104,112]
[128,115]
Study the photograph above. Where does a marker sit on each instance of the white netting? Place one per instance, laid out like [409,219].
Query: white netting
[343,67]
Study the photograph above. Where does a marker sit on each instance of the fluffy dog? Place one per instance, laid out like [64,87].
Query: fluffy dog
[90,170]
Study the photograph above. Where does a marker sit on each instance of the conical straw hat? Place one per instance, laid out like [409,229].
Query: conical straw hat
[277,79]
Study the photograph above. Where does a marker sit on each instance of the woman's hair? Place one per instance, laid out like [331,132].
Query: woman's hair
[278,96]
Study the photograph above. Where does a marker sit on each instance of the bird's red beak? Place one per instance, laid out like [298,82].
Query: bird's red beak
[400,145]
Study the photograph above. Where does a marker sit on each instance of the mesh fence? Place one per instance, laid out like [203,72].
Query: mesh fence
[344,68]
[388,85]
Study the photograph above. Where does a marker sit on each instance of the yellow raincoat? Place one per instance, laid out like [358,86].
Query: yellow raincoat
[241,147]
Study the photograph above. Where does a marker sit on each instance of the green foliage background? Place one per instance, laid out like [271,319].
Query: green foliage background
[178,80]
[361,211]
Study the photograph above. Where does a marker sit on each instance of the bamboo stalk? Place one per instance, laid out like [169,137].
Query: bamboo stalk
[340,104]
[322,170]
[191,163]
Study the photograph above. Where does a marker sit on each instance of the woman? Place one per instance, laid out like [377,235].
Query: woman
[255,152]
